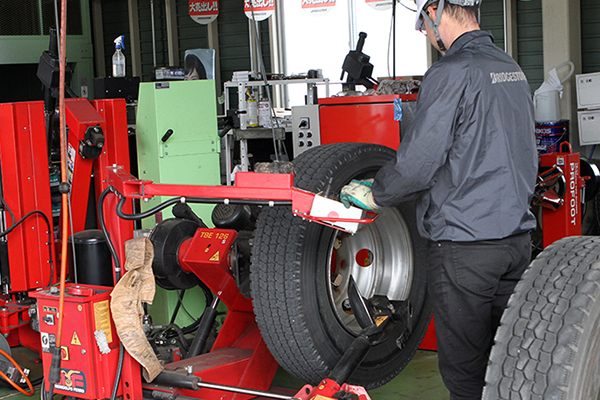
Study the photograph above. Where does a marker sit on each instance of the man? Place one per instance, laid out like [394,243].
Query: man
[470,162]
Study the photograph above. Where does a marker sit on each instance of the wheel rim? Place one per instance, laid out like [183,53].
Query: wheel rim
[379,257]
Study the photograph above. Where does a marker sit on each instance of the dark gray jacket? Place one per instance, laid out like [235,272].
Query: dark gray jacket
[469,157]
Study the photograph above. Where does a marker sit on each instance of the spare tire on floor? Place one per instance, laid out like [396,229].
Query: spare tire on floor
[548,343]
[300,272]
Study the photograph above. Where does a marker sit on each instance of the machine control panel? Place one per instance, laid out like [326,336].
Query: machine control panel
[305,128]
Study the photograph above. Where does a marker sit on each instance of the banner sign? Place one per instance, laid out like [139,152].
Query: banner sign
[317,6]
[204,11]
[380,4]
[263,9]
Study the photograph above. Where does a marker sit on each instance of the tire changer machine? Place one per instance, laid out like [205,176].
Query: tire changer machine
[90,362]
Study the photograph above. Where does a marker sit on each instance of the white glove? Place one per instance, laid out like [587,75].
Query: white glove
[359,193]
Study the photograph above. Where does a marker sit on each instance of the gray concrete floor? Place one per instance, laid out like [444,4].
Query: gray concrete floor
[420,380]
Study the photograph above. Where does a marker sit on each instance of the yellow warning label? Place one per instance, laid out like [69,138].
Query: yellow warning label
[75,340]
[215,257]
[379,320]
[102,319]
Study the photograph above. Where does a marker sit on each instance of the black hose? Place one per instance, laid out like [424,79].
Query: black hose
[113,396]
[115,257]
[111,247]
[19,222]
[201,200]
[176,311]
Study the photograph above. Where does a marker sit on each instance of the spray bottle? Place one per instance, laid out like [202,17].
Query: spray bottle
[118,59]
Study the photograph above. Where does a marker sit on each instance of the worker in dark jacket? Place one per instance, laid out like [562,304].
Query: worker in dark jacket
[470,162]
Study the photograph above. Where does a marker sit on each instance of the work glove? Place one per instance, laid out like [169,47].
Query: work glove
[359,193]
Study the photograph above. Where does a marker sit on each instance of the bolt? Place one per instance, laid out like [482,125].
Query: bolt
[166,145]
[82,351]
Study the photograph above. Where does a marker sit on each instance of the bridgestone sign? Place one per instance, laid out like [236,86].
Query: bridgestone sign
[317,6]
[263,9]
[204,11]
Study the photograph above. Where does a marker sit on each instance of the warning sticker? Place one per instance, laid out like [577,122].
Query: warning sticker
[75,340]
[102,319]
[215,257]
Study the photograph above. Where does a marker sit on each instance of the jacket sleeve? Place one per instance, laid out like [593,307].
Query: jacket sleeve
[427,142]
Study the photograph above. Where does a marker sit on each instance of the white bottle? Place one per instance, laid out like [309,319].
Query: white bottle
[118,59]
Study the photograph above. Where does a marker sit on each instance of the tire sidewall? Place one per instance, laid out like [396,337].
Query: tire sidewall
[330,337]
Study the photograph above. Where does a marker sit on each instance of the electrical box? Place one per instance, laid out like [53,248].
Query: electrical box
[305,128]
[177,139]
[89,359]
[588,90]
[589,127]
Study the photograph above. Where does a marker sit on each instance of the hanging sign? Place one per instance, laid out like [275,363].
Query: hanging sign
[204,11]
[380,4]
[263,9]
[317,6]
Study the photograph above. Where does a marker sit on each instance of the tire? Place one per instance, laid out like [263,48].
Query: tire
[548,342]
[299,311]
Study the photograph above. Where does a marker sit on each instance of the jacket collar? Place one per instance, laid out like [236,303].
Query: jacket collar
[468,37]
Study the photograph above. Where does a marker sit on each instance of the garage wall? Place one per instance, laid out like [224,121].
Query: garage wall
[492,19]
[530,45]
[590,36]
[232,26]
[115,22]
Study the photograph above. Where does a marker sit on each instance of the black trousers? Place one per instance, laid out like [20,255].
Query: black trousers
[470,283]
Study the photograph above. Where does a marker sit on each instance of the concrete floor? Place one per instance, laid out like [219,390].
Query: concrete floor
[420,380]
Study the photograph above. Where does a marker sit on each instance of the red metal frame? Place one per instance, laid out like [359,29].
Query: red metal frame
[239,356]
[26,187]
[363,119]
[566,220]
[248,186]
[112,118]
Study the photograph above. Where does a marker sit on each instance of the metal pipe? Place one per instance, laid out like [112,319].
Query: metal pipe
[153,32]
[251,392]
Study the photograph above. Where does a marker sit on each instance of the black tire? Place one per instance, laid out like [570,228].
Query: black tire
[548,343]
[298,309]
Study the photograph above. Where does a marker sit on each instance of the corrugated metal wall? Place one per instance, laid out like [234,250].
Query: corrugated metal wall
[492,19]
[590,36]
[232,25]
[530,46]
[115,22]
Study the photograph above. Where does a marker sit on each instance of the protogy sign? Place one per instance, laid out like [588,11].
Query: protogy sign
[263,9]
[317,6]
[380,4]
[204,11]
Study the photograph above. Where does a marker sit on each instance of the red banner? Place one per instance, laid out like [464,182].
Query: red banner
[204,11]
[263,9]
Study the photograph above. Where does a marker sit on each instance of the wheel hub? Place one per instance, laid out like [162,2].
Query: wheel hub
[379,257]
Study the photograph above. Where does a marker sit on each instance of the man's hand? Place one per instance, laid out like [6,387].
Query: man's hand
[359,193]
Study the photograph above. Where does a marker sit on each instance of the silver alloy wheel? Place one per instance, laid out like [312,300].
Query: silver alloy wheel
[379,257]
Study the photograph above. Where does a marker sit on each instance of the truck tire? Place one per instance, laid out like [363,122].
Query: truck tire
[300,271]
[548,342]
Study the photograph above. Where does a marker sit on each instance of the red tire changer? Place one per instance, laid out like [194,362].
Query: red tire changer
[239,366]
